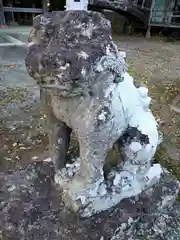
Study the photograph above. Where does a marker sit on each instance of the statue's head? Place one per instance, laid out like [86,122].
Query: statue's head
[63,46]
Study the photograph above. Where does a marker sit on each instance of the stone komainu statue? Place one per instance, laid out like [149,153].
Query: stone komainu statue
[74,60]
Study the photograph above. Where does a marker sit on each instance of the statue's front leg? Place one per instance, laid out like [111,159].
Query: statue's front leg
[59,132]
[84,191]
[59,143]
[88,186]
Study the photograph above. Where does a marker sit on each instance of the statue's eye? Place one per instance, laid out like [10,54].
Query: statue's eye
[52,81]
[69,62]
[55,65]
[43,82]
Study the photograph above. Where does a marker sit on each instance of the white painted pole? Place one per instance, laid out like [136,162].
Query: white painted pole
[74,5]
[44,5]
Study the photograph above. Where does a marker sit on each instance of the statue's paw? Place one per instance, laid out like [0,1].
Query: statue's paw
[86,197]
[67,173]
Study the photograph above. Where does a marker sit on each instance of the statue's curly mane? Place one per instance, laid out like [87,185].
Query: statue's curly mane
[67,46]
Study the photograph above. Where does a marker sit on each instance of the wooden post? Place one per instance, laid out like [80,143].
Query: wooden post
[33,14]
[2,18]
[11,14]
[148,33]
[142,5]
[44,5]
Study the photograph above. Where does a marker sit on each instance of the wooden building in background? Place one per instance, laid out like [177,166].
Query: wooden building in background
[166,13]
[161,13]
[21,12]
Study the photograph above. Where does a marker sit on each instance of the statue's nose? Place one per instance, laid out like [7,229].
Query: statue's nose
[31,35]
[33,38]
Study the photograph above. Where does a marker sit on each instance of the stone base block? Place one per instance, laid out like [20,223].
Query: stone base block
[91,198]
[154,215]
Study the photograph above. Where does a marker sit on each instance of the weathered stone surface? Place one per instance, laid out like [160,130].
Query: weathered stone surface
[160,214]
[67,44]
[31,208]
[72,56]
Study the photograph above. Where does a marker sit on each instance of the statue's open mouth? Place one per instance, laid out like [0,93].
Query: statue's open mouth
[51,83]
[61,90]
[54,86]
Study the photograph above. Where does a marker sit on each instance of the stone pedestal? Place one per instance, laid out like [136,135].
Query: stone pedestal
[99,196]
[158,216]
[31,208]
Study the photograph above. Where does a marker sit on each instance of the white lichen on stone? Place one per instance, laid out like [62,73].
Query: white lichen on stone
[12,188]
[88,31]
[65,66]
[60,140]
[135,147]
[83,55]
[48,159]
[83,72]
[102,116]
